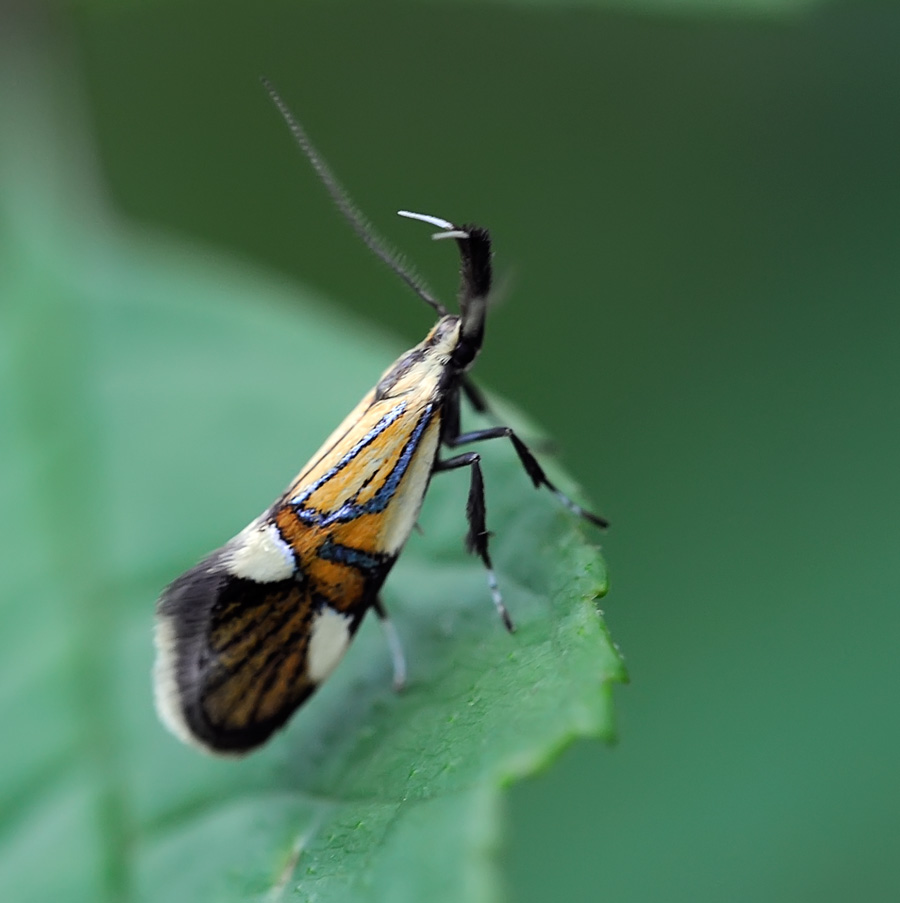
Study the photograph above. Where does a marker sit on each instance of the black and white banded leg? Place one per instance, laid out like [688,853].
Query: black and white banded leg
[398,659]
[529,462]
[477,537]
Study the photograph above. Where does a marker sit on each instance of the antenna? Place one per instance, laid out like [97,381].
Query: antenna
[448,230]
[361,226]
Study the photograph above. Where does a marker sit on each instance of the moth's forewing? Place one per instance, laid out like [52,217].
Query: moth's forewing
[248,634]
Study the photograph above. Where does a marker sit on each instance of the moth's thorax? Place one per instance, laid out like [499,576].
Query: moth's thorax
[443,338]
[421,372]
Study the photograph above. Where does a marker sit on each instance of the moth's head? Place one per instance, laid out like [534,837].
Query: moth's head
[474,245]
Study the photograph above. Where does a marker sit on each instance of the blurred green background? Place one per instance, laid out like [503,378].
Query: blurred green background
[697,214]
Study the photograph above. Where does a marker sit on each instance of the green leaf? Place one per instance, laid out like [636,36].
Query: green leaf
[156,398]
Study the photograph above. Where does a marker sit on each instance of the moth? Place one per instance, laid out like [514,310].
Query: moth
[248,634]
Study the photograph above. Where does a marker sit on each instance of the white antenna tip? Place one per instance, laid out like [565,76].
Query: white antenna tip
[449,230]
[427,218]
[452,233]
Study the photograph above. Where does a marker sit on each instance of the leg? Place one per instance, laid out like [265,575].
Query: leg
[477,537]
[474,395]
[393,641]
[529,462]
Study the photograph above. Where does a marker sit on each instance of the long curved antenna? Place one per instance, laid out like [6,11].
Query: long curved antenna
[361,226]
